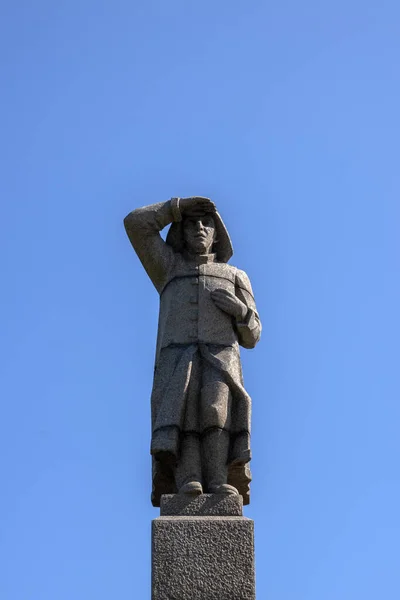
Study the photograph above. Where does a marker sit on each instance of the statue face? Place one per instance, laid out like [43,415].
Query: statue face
[199,234]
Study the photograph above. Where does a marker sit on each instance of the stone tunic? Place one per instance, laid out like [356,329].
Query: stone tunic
[192,330]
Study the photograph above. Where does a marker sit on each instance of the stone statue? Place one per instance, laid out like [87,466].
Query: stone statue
[200,410]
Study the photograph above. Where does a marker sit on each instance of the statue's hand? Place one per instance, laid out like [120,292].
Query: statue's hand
[229,303]
[196,206]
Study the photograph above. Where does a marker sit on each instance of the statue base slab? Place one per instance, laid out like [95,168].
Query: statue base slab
[205,505]
[203,557]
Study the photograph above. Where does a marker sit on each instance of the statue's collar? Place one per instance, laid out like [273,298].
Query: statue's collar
[199,259]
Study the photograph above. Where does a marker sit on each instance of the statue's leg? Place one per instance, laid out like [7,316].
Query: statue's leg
[216,401]
[188,473]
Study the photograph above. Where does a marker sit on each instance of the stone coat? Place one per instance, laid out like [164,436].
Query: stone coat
[190,323]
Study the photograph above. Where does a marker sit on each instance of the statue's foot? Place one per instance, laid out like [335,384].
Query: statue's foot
[224,488]
[193,488]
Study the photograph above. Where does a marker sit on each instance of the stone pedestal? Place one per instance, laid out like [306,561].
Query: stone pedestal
[202,549]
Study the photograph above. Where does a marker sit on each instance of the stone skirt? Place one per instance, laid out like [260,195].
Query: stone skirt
[186,398]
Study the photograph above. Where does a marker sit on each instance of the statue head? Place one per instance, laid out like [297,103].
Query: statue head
[199,233]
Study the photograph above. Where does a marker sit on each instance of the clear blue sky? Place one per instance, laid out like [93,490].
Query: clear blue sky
[286,114]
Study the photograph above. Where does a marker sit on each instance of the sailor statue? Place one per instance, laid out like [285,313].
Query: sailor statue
[200,410]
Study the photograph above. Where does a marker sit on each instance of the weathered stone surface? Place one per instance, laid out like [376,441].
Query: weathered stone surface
[201,411]
[203,558]
[212,505]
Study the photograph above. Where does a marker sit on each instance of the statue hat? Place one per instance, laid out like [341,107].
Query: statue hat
[222,246]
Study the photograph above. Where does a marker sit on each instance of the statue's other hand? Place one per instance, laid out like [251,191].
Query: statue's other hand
[196,206]
[229,303]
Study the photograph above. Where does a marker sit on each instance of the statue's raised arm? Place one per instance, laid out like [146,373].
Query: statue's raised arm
[143,227]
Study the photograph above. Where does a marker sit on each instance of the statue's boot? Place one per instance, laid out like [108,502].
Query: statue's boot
[215,459]
[188,470]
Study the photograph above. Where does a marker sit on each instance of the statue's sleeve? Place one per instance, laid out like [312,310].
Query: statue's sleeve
[249,330]
[143,227]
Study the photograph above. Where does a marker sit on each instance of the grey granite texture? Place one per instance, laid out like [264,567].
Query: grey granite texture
[212,505]
[201,412]
[203,558]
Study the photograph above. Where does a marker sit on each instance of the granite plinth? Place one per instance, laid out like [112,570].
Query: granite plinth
[210,505]
[203,558]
